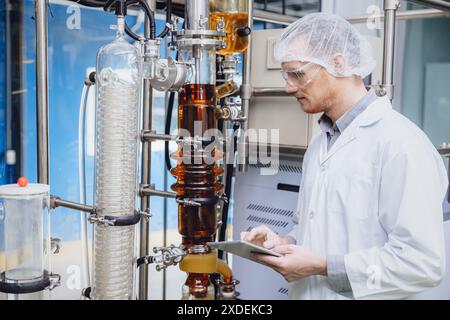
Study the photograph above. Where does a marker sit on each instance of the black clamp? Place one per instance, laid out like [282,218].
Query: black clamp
[115,221]
[48,281]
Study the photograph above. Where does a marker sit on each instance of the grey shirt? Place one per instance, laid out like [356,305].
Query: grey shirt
[337,275]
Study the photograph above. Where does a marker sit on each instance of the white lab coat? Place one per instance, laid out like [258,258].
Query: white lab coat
[375,197]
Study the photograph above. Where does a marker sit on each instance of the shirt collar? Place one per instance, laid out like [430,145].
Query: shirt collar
[344,121]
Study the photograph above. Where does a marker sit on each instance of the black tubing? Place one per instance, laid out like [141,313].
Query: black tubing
[167,129]
[227,192]
[166,30]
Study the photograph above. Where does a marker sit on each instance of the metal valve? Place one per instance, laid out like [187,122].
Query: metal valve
[169,256]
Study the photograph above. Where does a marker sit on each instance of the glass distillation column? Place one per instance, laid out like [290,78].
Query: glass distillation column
[197,187]
[118,85]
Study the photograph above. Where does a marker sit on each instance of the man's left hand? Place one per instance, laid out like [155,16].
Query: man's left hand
[296,262]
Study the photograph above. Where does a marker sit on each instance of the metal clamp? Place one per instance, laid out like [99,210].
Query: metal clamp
[391,4]
[55,281]
[55,245]
[188,203]
[115,221]
[227,291]
[146,214]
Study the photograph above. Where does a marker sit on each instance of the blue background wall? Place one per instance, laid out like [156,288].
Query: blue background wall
[3,175]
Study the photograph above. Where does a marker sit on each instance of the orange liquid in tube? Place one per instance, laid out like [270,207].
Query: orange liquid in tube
[233,22]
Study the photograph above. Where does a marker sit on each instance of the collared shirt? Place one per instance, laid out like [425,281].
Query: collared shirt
[333,131]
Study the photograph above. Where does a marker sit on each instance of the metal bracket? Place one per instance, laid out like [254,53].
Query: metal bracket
[55,281]
[385,90]
[55,245]
[391,4]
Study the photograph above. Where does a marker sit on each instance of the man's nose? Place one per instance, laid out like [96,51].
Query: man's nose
[289,88]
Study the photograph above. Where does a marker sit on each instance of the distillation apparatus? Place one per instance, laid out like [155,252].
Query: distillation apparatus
[203,75]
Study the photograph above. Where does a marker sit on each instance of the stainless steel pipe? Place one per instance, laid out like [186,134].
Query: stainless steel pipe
[40,7]
[242,147]
[58,202]
[270,92]
[276,18]
[145,173]
[149,190]
[387,86]
[149,135]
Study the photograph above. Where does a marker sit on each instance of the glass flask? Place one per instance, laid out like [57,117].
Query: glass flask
[233,15]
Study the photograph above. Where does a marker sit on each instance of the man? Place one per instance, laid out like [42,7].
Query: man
[370,220]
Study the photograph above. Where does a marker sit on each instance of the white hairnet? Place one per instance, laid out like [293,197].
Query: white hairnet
[318,37]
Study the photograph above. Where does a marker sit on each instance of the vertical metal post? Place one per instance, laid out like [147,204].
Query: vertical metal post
[40,7]
[246,93]
[145,174]
[390,11]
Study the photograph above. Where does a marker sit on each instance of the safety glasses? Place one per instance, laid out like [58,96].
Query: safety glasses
[303,76]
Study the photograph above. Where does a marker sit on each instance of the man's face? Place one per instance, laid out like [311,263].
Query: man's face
[311,86]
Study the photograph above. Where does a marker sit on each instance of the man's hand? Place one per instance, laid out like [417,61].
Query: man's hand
[296,262]
[264,237]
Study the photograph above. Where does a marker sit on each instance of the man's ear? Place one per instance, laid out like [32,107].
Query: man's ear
[338,62]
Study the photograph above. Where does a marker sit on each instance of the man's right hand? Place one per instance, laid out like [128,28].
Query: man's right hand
[264,237]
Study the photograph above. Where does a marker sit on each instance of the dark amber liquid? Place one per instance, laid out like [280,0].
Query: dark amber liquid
[195,177]
[198,284]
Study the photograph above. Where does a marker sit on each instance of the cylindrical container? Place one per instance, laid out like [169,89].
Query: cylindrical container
[118,85]
[203,64]
[196,13]
[25,225]
[233,16]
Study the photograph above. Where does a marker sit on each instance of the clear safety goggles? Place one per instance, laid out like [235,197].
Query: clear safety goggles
[303,76]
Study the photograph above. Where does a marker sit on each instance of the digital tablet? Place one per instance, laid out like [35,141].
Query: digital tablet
[242,249]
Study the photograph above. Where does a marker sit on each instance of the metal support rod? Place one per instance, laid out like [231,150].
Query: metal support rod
[277,18]
[149,190]
[58,202]
[242,147]
[40,7]
[448,175]
[437,4]
[270,92]
[270,17]
[404,15]
[145,172]
[387,86]
[149,135]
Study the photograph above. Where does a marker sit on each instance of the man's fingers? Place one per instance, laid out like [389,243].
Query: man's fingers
[269,244]
[256,234]
[283,249]
[243,235]
[270,261]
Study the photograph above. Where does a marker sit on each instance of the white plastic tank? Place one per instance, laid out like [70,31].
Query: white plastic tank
[25,230]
